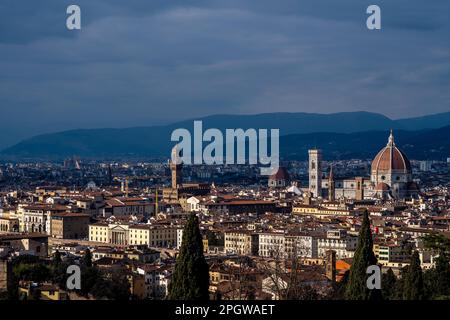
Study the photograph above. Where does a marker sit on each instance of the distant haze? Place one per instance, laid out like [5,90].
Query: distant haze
[342,135]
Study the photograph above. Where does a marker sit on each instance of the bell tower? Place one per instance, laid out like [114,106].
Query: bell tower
[175,167]
[315,172]
[331,186]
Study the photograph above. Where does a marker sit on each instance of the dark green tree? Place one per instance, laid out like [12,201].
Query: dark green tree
[439,243]
[90,276]
[413,283]
[400,283]
[56,258]
[32,272]
[356,288]
[437,280]
[113,287]
[120,286]
[87,259]
[388,285]
[36,294]
[442,272]
[190,279]
[59,275]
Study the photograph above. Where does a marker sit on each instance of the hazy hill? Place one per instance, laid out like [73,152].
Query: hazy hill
[297,127]
[420,145]
[426,122]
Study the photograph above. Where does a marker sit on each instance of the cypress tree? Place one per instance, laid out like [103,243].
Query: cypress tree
[413,283]
[87,259]
[356,288]
[190,279]
[441,277]
[388,285]
[57,258]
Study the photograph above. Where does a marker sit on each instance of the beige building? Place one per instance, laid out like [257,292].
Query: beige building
[300,245]
[129,207]
[340,242]
[241,242]
[291,245]
[8,224]
[36,217]
[6,274]
[391,253]
[320,211]
[134,234]
[51,191]
[271,245]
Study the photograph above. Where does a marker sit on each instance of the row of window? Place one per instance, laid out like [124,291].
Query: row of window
[33,219]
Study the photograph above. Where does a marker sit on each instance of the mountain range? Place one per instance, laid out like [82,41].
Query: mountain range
[341,136]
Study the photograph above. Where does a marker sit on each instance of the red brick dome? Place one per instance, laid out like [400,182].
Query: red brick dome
[391,158]
[281,174]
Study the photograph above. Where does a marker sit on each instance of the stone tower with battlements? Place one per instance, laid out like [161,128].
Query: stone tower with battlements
[176,166]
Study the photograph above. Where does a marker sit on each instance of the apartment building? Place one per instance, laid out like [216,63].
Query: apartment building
[69,225]
[8,224]
[36,217]
[241,242]
[338,240]
[300,245]
[271,245]
[128,207]
[290,245]
[391,253]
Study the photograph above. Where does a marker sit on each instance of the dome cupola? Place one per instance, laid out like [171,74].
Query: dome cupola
[390,159]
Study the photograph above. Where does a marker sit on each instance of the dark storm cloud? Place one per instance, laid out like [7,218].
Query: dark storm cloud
[142,62]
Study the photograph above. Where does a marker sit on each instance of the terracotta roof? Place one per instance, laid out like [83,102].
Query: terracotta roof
[281,174]
[390,158]
[70,214]
[18,236]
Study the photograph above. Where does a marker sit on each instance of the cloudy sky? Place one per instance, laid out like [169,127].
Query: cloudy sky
[144,62]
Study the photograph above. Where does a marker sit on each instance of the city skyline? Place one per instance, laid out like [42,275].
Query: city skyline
[215,158]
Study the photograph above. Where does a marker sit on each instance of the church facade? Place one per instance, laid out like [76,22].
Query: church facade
[390,178]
